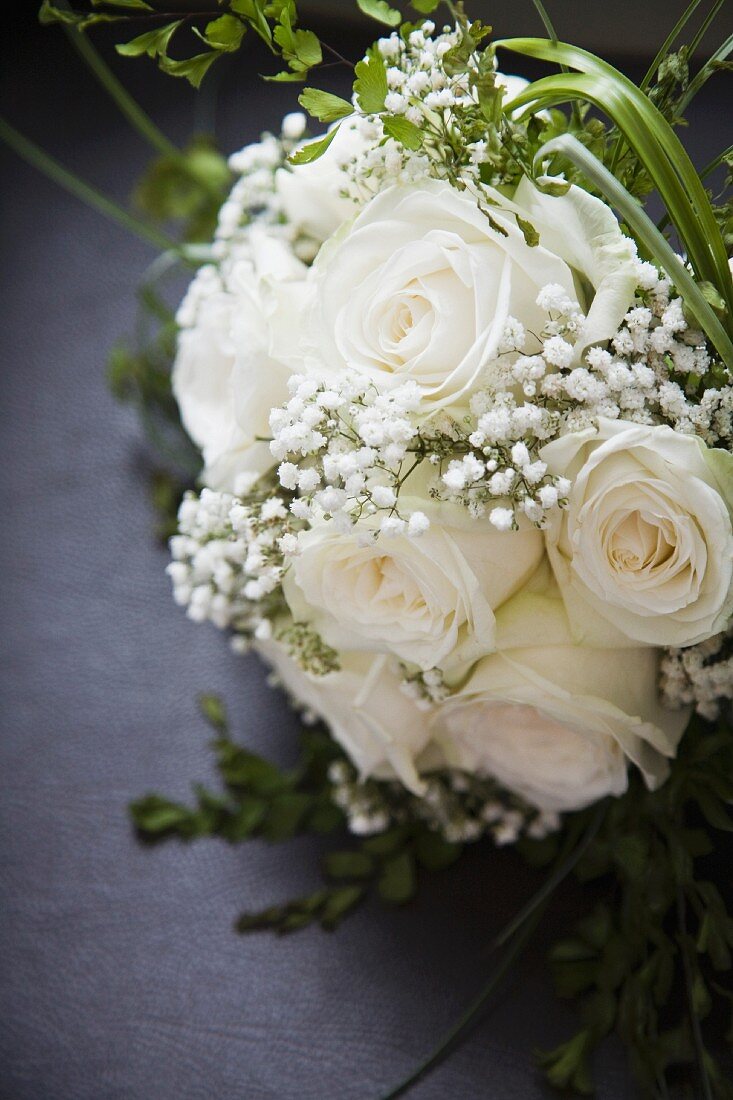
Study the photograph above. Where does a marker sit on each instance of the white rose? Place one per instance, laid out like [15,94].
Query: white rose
[646,543]
[381,728]
[224,379]
[420,285]
[555,722]
[312,194]
[429,601]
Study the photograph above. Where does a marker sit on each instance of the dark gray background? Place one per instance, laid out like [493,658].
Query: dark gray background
[120,975]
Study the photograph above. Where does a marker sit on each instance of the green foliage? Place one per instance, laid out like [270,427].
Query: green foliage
[370,85]
[381,11]
[323,105]
[646,960]
[261,800]
[186,186]
[152,43]
[312,150]
[404,131]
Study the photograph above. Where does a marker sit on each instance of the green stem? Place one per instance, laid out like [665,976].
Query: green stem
[520,941]
[704,75]
[705,26]
[521,928]
[668,42]
[697,1039]
[122,98]
[51,168]
[562,870]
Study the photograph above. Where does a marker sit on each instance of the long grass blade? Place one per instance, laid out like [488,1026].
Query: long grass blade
[646,232]
[701,78]
[650,136]
[36,157]
[669,42]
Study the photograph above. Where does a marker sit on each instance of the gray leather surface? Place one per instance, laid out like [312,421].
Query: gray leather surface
[120,975]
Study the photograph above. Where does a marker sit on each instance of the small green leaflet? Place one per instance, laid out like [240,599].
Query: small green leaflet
[224,33]
[314,149]
[370,85]
[531,235]
[151,43]
[381,11]
[425,7]
[324,106]
[402,130]
[193,68]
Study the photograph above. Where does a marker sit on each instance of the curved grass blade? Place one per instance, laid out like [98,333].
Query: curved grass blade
[652,139]
[647,232]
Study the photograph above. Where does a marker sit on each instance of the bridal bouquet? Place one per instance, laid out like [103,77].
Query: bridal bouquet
[466,423]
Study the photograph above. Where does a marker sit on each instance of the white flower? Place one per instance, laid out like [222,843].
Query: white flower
[312,194]
[553,721]
[420,286]
[381,728]
[645,547]
[224,378]
[429,601]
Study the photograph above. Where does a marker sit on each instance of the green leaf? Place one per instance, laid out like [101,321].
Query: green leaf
[647,233]
[381,11]
[348,865]
[312,150]
[244,770]
[246,819]
[370,85]
[402,130]
[397,883]
[224,33]
[648,134]
[425,7]
[213,711]
[339,904]
[386,844]
[323,105]
[152,43]
[49,14]
[155,816]
[194,69]
[134,5]
[434,852]
[285,815]
[529,232]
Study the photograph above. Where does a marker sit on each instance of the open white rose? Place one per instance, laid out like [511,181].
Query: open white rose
[224,378]
[555,722]
[420,285]
[429,601]
[646,543]
[381,728]
[312,194]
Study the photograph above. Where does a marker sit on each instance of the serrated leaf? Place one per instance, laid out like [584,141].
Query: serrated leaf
[348,864]
[402,130]
[398,882]
[312,150]
[194,69]
[370,85]
[381,11]
[152,43]
[324,106]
